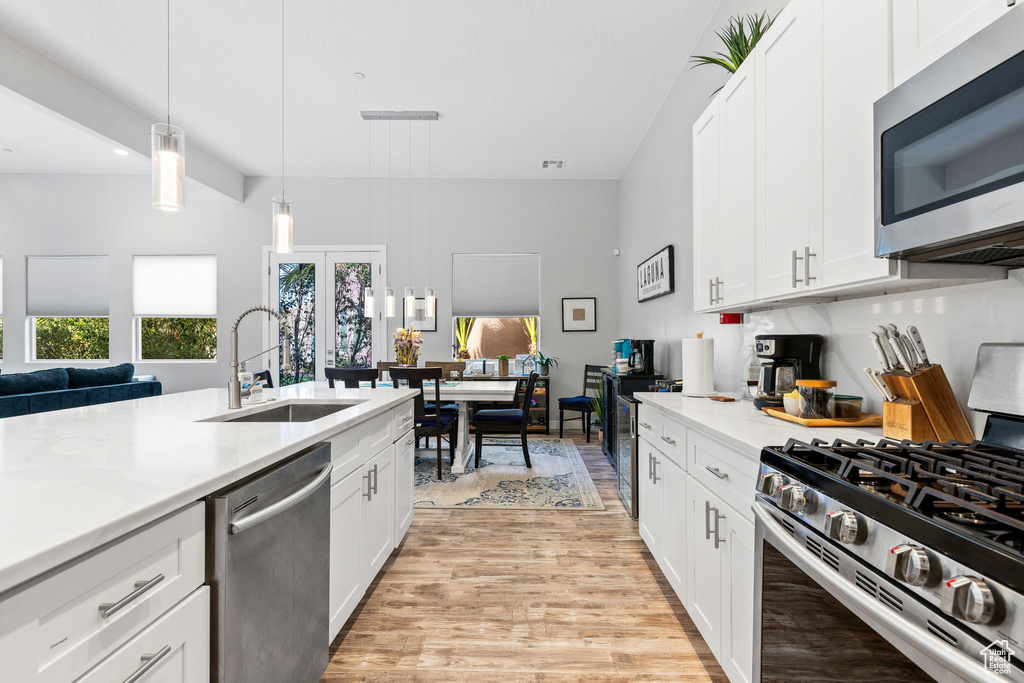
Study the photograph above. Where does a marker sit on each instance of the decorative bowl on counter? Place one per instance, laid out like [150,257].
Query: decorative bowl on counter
[792,405]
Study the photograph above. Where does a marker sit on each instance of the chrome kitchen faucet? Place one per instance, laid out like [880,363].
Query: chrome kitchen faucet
[234,386]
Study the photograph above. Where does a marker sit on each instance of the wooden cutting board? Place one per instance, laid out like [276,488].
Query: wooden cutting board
[865,420]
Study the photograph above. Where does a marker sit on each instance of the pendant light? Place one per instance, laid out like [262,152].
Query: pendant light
[281,206]
[167,147]
[429,296]
[369,303]
[410,292]
[389,293]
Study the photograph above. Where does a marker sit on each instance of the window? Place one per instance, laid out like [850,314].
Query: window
[495,303]
[67,303]
[175,307]
[489,337]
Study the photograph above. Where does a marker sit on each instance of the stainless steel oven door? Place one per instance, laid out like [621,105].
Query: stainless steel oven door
[813,624]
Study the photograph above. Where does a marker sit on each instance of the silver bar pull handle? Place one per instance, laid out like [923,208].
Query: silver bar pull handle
[645,425]
[375,475]
[718,291]
[671,442]
[369,489]
[654,470]
[707,520]
[148,662]
[807,266]
[795,278]
[406,419]
[718,528]
[711,292]
[248,521]
[717,472]
[650,466]
[109,609]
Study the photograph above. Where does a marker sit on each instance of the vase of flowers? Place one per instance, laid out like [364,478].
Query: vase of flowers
[407,346]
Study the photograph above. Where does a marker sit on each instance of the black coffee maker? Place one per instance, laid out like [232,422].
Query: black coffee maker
[641,360]
[785,358]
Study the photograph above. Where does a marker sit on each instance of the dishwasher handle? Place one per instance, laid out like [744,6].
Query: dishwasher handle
[280,506]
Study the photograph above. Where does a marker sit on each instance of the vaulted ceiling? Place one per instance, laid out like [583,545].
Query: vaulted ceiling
[515,81]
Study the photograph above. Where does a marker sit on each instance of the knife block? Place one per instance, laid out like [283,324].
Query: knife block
[929,387]
[906,419]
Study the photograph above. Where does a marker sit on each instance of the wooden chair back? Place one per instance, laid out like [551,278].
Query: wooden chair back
[528,396]
[416,377]
[351,376]
[593,376]
[385,366]
[448,367]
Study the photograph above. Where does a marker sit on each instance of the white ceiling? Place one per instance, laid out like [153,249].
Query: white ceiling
[515,81]
[43,143]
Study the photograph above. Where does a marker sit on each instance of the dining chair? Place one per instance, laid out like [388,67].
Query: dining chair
[264,377]
[352,376]
[385,366]
[434,422]
[506,421]
[583,404]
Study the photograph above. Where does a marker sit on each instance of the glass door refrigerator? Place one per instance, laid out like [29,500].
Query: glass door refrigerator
[626,451]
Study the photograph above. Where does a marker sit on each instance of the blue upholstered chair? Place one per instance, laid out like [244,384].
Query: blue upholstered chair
[583,404]
[433,422]
[351,377]
[506,421]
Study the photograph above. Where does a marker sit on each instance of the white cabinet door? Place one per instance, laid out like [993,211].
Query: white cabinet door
[707,205]
[789,125]
[738,598]
[378,518]
[855,74]
[704,580]
[673,524]
[405,484]
[924,30]
[346,587]
[736,240]
[650,498]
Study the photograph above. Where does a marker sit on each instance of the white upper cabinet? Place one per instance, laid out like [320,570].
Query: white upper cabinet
[852,81]
[707,206]
[924,30]
[789,178]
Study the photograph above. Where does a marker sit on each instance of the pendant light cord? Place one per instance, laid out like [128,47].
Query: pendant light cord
[389,202]
[430,208]
[168,65]
[410,204]
[369,192]
[282,98]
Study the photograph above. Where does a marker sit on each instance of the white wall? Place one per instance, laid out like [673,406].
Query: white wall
[655,209]
[572,224]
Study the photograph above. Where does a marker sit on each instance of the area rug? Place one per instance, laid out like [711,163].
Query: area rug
[558,479]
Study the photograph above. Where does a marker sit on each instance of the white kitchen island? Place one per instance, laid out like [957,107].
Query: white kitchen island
[92,499]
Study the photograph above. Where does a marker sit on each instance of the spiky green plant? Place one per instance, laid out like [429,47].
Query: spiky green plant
[740,36]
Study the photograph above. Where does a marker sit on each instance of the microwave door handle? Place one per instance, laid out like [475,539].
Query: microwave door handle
[849,594]
[248,521]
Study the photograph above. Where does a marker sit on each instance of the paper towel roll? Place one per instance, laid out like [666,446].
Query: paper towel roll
[699,366]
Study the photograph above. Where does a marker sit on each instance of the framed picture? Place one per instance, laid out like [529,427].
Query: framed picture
[419,320]
[579,315]
[656,276]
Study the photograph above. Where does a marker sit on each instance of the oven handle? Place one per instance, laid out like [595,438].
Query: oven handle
[929,645]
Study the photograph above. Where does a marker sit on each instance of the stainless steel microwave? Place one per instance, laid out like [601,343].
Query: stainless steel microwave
[949,155]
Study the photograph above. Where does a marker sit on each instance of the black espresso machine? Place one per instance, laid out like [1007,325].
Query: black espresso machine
[785,358]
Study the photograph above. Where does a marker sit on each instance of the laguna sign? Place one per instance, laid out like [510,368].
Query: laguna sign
[656,276]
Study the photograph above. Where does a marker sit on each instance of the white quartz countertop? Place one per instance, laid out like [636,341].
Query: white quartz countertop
[742,426]
[72,480]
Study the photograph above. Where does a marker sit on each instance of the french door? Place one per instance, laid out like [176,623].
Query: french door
[320,292]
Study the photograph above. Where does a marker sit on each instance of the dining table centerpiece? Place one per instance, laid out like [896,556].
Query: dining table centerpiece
[407,346]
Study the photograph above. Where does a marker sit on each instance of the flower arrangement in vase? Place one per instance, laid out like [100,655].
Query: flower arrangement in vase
[407,346]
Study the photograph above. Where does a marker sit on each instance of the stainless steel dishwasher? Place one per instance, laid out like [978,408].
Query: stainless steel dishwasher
[268,540]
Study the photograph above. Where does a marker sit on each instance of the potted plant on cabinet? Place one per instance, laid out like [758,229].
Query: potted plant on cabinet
[503,365]
[545,363]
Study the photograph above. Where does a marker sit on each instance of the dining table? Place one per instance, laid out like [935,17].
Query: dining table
[462,393]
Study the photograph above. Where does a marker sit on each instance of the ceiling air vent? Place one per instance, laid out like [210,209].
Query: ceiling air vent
[552,163]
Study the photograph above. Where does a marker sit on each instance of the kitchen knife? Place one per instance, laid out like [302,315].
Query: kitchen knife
[890,354]
[886,391]
[901,353]
[877,384]
[902,342]
[915,338]
[876,342]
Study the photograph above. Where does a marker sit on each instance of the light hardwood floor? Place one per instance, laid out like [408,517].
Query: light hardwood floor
[528,595]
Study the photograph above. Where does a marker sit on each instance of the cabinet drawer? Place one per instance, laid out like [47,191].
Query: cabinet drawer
[62,624]
[649,424]
[180,641]
[376,435]
[345,453]
[723,471]
[664,433]
[404,417]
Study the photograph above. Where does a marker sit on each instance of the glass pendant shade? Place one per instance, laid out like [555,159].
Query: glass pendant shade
[168,154]
[283,227]
[429,303]
[389,302]
[369,304]
[410,302]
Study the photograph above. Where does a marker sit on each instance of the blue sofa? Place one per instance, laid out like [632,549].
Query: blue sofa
[59,388]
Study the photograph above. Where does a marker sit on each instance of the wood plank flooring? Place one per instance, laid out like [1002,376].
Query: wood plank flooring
[523,596]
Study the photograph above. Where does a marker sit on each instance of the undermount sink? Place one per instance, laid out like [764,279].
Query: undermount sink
[291,412]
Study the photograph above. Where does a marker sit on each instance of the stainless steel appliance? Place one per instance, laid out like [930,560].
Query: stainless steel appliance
[268,541]
[785,358]
[949,155]
[615,386]
[894,560]
[626,454]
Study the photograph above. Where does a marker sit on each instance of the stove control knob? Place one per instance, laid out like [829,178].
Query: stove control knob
[843,526]
[796,498]
[909,564]
[968,598]
[770,484]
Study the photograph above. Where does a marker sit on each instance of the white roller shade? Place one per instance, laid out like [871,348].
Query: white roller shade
[498,285]
[72,286]
[175,286]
